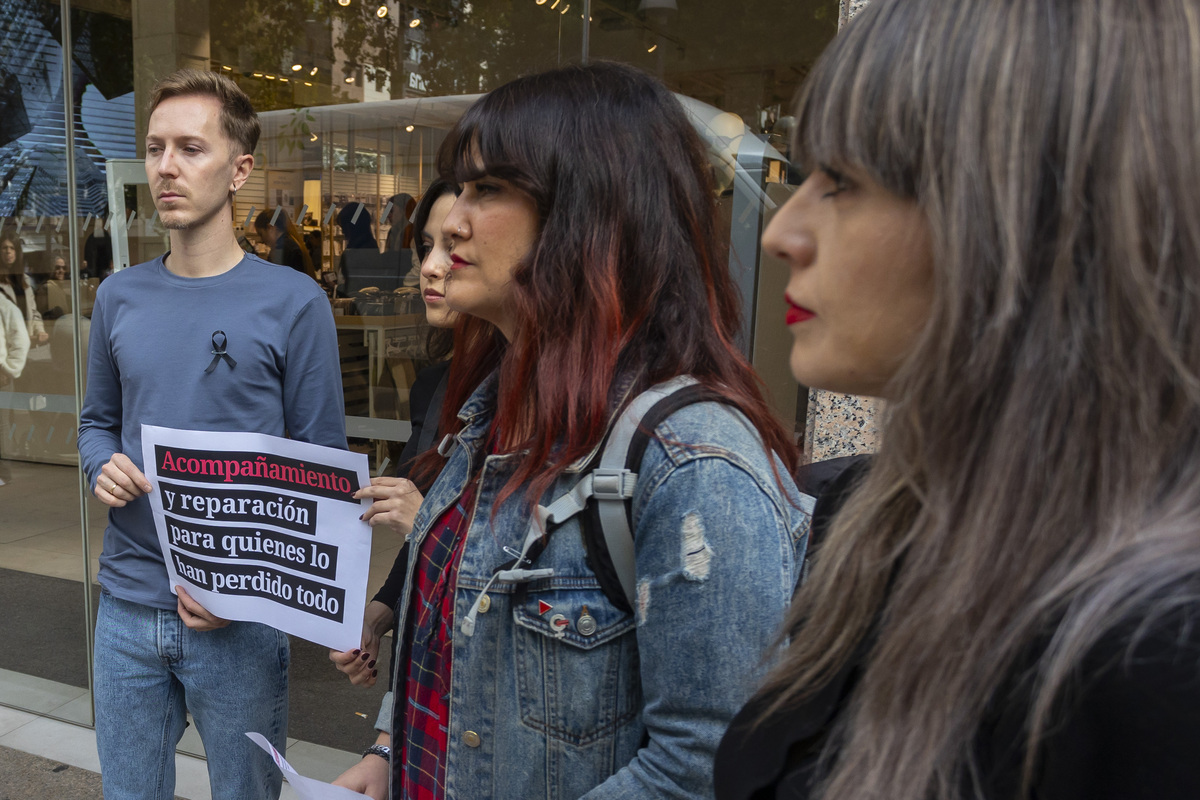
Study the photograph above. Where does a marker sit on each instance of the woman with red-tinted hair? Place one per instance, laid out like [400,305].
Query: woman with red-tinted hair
[583,234]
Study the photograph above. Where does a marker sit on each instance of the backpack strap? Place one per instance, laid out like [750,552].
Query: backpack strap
[605,491]
[611,513]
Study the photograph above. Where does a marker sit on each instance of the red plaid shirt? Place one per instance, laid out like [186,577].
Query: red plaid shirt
[426,731]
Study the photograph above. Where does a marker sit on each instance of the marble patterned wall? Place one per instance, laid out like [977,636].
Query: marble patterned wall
[855,6]
[841,424]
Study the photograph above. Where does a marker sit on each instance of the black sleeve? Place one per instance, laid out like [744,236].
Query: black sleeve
[422,391]
[410,450]
[832,474]
[419,397]
[831,482]
[1130,726]
[389,593]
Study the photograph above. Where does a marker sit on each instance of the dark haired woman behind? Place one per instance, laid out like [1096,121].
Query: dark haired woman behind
[1000,235]
[395,497]
[583,233]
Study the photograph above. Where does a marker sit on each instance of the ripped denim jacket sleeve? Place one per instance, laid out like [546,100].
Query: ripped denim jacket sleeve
[717,547]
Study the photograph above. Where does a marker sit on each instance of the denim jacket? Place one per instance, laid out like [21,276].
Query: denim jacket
[618,705]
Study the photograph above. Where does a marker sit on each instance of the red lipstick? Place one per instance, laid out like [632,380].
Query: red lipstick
[796,313]
[457,262]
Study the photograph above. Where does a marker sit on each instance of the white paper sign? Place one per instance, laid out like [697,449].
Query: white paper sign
[263,529]
[306,788]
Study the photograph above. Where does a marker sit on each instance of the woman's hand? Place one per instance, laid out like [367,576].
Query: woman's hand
[395,505]
[359,665]
[369,776]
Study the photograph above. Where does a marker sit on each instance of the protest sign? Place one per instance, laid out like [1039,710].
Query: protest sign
[263,529]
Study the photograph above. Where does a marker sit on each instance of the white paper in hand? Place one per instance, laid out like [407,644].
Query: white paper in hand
[306,788]
[263,529]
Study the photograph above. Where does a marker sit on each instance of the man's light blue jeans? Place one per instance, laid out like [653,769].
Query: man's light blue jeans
[151,669]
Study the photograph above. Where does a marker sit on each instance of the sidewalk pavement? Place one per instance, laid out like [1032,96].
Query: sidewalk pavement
[28,777]
[25,776]
[48,759]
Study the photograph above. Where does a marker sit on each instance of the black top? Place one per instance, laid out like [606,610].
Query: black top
[425,404]
[1126,728]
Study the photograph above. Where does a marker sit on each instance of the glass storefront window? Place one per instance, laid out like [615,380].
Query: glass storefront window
[355,97]
[44,564]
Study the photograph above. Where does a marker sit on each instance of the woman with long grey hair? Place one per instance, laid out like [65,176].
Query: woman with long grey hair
[1000,234]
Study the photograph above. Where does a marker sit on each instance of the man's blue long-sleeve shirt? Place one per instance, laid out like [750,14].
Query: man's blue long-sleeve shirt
[151,342]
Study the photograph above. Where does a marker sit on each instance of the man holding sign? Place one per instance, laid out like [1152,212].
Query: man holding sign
[204,338]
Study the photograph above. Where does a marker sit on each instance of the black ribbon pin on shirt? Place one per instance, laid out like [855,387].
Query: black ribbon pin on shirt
[218,352]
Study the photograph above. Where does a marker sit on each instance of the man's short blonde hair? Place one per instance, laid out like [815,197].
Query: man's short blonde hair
[239,122]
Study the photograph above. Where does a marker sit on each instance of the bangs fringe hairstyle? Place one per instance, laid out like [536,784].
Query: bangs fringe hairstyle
[1039,480]
[623,289]
[438,188]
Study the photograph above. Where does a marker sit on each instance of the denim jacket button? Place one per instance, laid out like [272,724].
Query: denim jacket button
[586,624]
[485,603]
[471,739]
